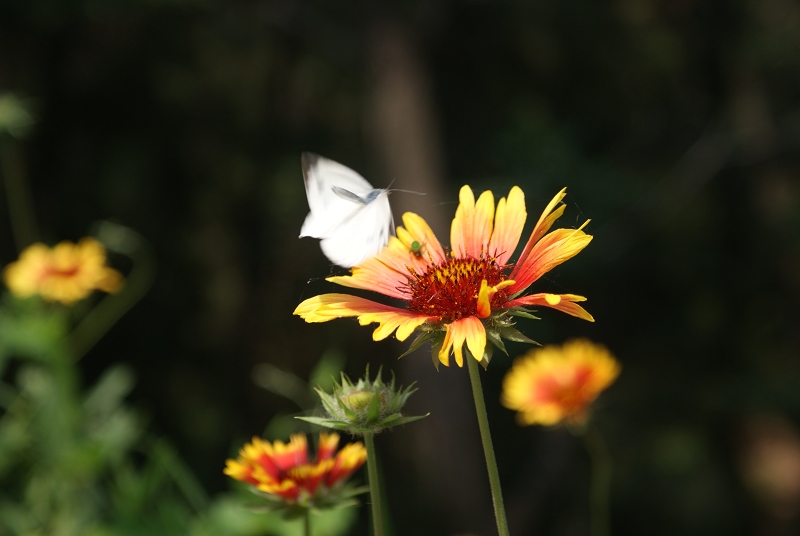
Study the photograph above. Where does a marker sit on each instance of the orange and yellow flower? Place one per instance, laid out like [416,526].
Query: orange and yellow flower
[557,384]
[466,295]
[284,470]
[65,273]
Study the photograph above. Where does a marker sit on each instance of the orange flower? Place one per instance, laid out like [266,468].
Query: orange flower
[466,295]
[554,384]
[66,273]
[284,470]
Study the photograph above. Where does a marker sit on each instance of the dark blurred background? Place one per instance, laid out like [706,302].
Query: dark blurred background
[675,125]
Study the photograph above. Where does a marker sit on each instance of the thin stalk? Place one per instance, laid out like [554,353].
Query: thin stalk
[96,323]
[600,484]
[374,485]
[307,523]
[488,449]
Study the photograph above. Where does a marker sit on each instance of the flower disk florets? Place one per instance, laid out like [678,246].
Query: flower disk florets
[449,290]
[364,407]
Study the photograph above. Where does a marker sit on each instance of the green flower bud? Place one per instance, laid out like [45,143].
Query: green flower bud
[366,407]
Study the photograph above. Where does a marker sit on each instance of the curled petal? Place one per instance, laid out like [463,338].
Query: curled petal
[469,330]
[485,295]
[566,303]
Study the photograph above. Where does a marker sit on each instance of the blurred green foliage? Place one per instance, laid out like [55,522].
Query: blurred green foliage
[80,462]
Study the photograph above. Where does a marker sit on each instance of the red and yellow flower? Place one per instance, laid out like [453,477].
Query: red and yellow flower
[284,470]
[466,295]
[557,384]
[65,273]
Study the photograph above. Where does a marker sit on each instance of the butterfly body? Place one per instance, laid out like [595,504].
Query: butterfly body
[352,219]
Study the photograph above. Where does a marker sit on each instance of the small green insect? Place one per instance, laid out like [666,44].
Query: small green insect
[416,249]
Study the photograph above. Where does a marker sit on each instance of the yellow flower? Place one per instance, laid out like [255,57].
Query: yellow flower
[284,470]
[553,384]
[65,273]
[466,295]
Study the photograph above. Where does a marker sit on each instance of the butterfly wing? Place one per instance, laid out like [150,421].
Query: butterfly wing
[352,219]
[329,209]
[363,235]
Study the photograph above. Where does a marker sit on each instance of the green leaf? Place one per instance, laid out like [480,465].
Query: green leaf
[421,339]
[326,423]
[435,347]
[374,410]
[488,351]
[349,413]
[495,339]
[406,420]
[522,313]
[516,295]
[512,334]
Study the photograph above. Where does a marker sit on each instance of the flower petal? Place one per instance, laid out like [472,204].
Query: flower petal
[549,215]
[561,302]
[472,225]
[328,443]
[555,248]
[469,329]
[509,221]
[419,231]
[331,306]
[351,457]
[382,273]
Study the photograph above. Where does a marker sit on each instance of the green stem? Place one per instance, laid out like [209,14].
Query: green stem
[488,450]
[374,485]
[307,523]
[600,481]
[111,308]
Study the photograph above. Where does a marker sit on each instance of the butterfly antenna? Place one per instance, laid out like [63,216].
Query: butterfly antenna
[408,191]
[390,189]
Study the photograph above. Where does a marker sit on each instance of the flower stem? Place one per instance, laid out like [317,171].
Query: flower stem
[111,308]
[307,523]
[600,481]
[488,450]
[374,485]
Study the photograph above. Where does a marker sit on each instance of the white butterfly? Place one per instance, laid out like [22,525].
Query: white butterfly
[352,218]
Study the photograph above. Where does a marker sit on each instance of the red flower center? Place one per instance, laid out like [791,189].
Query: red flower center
[449,290]
[60,272]
[570,394]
